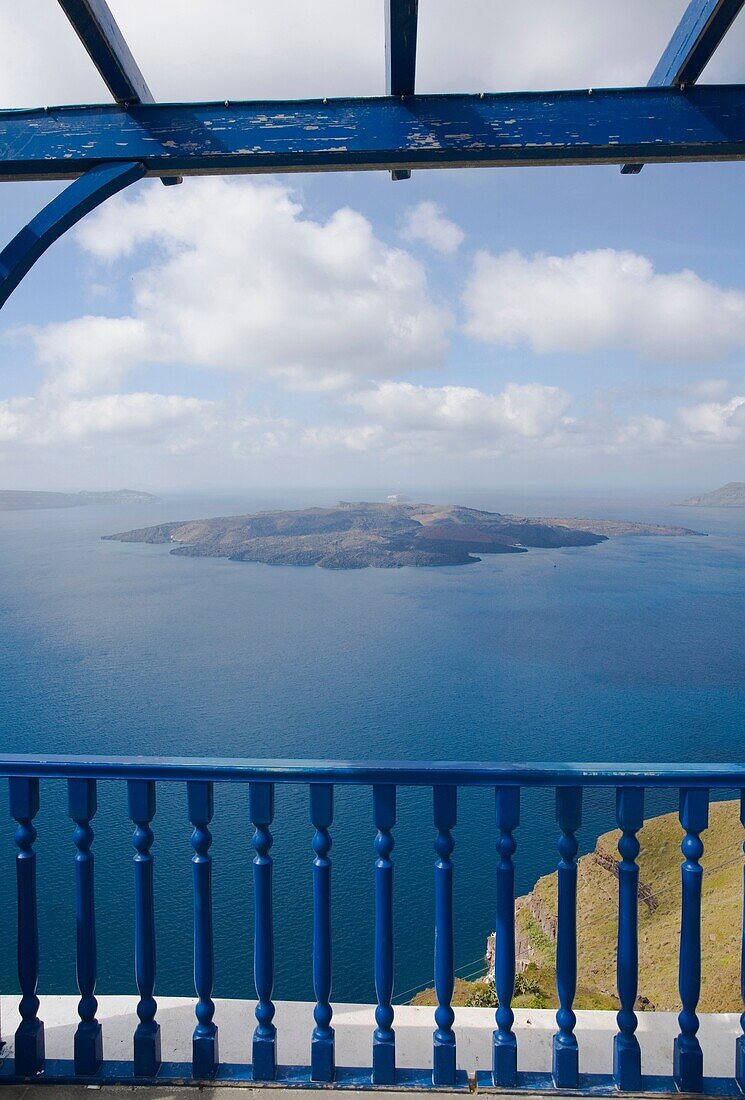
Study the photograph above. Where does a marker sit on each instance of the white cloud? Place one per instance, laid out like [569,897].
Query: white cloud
[162,420]
[600,301]
[642,432]
[386,423]
[529,411]
[427,222]
[532,418]
[242,281]
[715,422]
[357,439]
[89,354]
[14,418]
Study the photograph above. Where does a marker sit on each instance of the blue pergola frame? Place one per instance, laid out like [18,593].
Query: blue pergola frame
[688,52]
[105,147]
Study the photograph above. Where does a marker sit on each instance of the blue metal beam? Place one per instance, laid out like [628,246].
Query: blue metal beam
[400,53]
[105,44]
[400,46]
[108,50]
[603,127]
[696,37]
[77,200]
[701,29]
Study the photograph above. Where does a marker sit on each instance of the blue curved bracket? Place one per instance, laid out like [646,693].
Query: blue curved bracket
[64,211]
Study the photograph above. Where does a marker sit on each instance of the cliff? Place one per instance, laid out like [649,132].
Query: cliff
[659,914]
[659,923]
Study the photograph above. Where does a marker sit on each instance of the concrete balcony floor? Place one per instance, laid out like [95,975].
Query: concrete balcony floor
[228,1092]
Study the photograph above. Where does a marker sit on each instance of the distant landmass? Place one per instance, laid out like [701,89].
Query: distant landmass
[731,495]
[612,527]
[16,500]
[391,535]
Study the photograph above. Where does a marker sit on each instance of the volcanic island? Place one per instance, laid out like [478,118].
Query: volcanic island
[388,536]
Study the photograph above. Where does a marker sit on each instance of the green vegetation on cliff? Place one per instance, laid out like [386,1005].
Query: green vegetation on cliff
[659,923]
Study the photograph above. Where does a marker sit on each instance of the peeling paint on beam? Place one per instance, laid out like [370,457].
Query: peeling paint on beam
[107,48]
[576,127]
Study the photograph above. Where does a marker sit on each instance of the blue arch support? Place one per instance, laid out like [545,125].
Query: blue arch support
[62,213]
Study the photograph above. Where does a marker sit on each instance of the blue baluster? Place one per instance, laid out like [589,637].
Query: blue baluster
[504,1065]
[566,1052]
[627,1058]
[443,1055]
[29,1038]
[261,797]
[141,794]
[384,1037]
[88,1045]
[740,1044]
[688,1059]
[322,1059]
[205,1053]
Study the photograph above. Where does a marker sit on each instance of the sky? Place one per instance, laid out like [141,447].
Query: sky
[545,328]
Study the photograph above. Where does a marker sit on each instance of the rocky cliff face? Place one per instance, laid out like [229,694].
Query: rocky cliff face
[531,913]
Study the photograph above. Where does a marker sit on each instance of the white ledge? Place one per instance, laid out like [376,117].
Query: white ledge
[354,1026]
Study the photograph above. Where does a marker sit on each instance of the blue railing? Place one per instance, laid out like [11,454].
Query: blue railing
[693,781]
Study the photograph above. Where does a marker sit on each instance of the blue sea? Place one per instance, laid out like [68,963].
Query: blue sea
[631,650]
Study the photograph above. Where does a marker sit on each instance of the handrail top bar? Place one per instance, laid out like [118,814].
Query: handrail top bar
[405,773]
